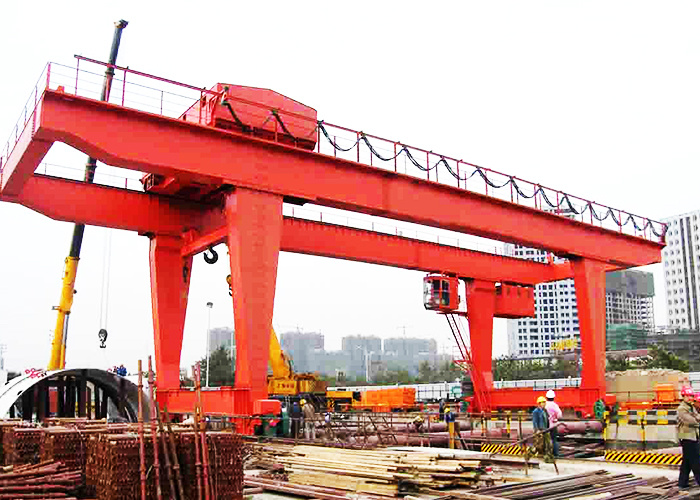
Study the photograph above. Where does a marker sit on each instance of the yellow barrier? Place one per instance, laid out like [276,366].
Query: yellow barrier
[632,457]
[503,449]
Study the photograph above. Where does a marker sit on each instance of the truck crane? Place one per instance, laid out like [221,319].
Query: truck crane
[287,385]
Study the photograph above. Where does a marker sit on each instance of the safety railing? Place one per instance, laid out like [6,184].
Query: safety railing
[145,92]
[26,116]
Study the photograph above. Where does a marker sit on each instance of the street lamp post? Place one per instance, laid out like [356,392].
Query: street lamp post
[209,306]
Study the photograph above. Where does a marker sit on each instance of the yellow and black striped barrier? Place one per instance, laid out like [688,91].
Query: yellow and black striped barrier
[632,457]
[504,449]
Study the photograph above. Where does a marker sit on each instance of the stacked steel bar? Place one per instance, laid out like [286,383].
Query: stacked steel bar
[44,480]
[70,445]
[6,425]
[588,484]
[117,467]
[21,445]
[112,469]
[92,456]
[64,445]
[225,464]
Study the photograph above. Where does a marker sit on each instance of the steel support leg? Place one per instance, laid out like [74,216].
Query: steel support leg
[589,279]
[254,220]
[170,283]
[481,306]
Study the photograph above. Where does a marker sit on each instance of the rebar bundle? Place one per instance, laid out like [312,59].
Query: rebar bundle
[21,445]
[43,480]
[225,457]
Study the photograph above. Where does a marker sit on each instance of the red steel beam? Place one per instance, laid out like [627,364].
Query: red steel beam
[146,142]
[97,205]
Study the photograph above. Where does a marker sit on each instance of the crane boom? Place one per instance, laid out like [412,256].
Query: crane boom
[280,364]
[57,359]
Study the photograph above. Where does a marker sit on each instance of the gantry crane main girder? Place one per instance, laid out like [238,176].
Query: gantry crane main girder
[260,174]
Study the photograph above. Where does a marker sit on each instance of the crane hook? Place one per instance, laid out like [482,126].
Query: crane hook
[213,258]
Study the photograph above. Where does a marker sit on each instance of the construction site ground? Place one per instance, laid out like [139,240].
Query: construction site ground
[659,476]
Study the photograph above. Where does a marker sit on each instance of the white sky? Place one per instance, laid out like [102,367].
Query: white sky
[595,98]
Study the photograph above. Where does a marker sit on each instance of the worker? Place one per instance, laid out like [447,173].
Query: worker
[418,423]
[295,415]
[554,414]
[309,419]
[542,442]
[441,410]
[688,428]
[450,421]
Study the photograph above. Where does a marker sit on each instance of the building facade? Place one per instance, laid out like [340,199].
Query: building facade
[681,261]
[304,349]
[221,337]
[629,299]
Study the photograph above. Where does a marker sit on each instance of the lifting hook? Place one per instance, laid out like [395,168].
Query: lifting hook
[211,259]
[230,290]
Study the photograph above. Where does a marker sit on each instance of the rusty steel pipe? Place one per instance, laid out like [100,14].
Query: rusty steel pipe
[154,430]
[197,455]
[173,451]
[166,453]
[201,433]
[142,446]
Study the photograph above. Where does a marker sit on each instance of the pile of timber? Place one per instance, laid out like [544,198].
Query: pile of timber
[375,472]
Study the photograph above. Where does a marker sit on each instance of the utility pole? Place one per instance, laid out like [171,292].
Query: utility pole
[60,338]
[209,306]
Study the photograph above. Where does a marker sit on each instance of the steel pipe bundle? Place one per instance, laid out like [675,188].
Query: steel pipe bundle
[597,484]
[43,480]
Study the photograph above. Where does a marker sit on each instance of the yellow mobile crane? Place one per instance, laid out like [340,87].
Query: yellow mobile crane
[284,383]
[57,360]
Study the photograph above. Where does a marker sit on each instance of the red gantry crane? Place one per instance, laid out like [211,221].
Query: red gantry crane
[225,167]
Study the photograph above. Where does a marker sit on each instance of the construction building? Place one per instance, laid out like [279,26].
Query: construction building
[625,337]
[629,300]
[681,261]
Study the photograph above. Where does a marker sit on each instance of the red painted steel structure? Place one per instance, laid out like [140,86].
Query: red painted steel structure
[252,175]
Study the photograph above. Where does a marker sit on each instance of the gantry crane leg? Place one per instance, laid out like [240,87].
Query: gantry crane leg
[170,283]
[481,307]
[254,221]
[589,280]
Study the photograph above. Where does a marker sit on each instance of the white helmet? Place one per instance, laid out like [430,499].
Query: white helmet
[550,394]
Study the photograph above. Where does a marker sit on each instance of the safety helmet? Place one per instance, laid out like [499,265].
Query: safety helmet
[687,391]
[550,394]
[541,399]
[302,402]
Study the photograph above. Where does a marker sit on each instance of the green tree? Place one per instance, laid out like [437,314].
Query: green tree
[220,371]
[426,373]
[658,357]
[618,363]
[448,372]
[661,358]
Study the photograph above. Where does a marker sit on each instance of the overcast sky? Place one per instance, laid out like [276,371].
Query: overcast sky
[595,98]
